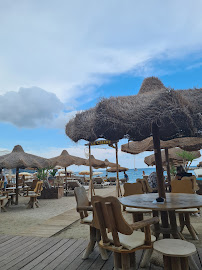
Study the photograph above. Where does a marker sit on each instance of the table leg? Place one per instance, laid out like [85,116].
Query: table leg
[165,223]
[173,224]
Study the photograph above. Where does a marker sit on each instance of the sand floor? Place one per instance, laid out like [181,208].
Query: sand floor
[18,218]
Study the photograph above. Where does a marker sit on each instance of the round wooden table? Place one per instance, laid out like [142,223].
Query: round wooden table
[173,202]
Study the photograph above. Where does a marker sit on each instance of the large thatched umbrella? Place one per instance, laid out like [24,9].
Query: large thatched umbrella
[174,157]
[20,160]
[65,160]
[188,144]
[165,113]
[156,110]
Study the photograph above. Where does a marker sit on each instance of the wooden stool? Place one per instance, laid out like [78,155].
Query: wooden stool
[176,253]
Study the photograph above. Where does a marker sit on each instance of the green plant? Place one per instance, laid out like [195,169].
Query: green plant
[173,170]
[187,157]
[42,174]
[53,172]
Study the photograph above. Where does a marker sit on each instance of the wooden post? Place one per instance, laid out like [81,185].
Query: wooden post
[65,171]
[16,190]
[118,189]
[91,180]
[167,165]
[158,160]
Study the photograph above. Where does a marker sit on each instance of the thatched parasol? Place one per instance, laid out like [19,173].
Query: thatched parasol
[95,163]
[156,110]
[174,157]
[178,114]
[65,160]
[114,169]
[20,160]
[188,144]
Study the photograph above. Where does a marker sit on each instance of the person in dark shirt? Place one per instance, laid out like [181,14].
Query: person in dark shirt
[126,176]
[181,173]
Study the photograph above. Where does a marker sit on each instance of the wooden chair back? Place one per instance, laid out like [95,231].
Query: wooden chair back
[38,188]
[182,186]
[33,186]
[132,189]
[145,185]
[108,217]
[193,179]
[81,201]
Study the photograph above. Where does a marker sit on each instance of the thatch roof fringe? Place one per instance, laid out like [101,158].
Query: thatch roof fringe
[176,112]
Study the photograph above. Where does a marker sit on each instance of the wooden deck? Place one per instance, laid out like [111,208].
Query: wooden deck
[36,253]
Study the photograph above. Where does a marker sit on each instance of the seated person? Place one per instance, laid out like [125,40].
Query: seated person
[152,180]
[181,173]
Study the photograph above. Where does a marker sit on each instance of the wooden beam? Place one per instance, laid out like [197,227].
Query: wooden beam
[118,188]
[16,190]
[167,164]
[158,160]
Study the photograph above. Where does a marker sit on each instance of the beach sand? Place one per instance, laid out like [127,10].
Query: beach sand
[18,218]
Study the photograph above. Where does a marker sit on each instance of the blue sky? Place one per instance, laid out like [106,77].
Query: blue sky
[57,58]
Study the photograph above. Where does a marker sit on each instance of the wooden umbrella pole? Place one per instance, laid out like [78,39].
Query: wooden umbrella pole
[167,164]
[91,189]
[118,188]
[65,171]
[16,190]
[158,160]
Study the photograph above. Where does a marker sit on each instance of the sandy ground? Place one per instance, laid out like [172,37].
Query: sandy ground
[18,217]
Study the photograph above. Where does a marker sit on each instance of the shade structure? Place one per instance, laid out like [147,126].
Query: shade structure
[177,113]
[174,157]
[114,169]
[19,159]
[96,163]
[156,110]
[109,164]
[65,160]
[188,144]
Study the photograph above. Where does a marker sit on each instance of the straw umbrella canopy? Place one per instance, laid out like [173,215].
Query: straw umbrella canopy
[174,157]
[65,160]
[114,169]
[188,144]
[165,113]
[20,160]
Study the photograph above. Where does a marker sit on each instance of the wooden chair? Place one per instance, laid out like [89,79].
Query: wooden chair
[185,186]
[119,236]
[193,180]
[83,208]
[70,185]
[145,185]
[5,195]
[1,187]
[34,194]
[134,189]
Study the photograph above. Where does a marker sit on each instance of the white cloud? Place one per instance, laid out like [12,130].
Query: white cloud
[68,46]
[33,107]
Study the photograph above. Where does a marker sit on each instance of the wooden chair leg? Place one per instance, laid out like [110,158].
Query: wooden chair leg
[103,252]
[125,261]
[3,209]
[190,227]
[91,244]
[117,261]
